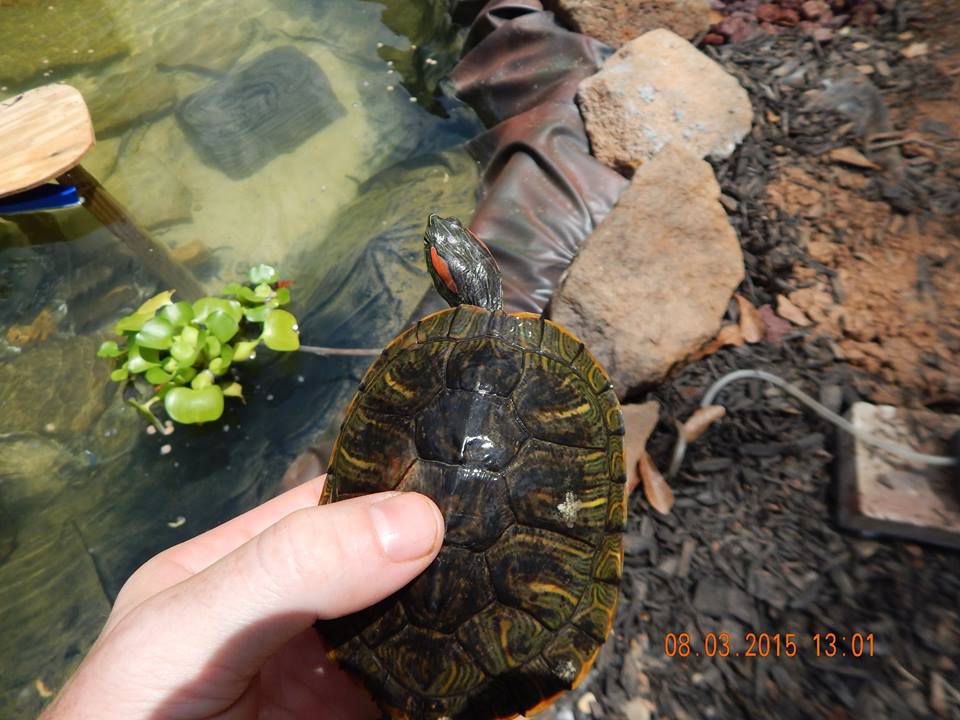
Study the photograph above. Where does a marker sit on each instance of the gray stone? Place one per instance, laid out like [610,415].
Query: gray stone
[268,107]
[660,89]
[652,282]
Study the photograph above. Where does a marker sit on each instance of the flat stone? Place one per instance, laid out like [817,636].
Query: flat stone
[652,282]
[616,22]
[885,494]
[270,106]
[659,89]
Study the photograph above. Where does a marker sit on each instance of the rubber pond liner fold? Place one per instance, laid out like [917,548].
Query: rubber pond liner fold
[541,192]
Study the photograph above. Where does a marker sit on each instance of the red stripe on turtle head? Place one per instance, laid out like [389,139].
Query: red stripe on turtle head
[442,270]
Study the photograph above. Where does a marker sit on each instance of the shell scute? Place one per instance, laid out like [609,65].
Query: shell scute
[427,662]
[540,572]
[555,404]
[561,488]
[503,638]
[485,366]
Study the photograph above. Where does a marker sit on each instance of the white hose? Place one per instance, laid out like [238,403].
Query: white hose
[827,414]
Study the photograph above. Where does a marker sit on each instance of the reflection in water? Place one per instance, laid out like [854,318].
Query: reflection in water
[334,189]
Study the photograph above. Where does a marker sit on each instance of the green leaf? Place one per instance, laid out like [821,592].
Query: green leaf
[189,406]
[222,325]
[156,333]
[218,366]
[233,389]
[137,363]
[202,379]
[263,274]
[179,314]
[244,349]
[212,347]
[171,365]
[283,296]
[185,347]
[151,306]
[185,375]
[204,307]
[120,374]
[263,291]
[110,349]
[280,331]
[131,323]
[156,376]
[250,297]
[257,314]
[234,289]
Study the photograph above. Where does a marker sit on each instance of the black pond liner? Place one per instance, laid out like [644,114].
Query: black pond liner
[541,192]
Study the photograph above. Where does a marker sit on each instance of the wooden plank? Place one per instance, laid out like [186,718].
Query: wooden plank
[156,258]
[43,133]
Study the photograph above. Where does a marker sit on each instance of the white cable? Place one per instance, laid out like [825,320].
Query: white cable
[827,414]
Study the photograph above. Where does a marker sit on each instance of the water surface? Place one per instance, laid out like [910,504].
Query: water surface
[86,494]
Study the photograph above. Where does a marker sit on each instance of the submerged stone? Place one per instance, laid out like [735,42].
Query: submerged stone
[56,386]
[269,107]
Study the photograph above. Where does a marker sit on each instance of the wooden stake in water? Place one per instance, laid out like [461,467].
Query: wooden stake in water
[44,133]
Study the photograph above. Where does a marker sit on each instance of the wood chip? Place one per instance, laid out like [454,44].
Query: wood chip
[751,323]
[638,423]
[791,312]
[697,424]
[851,156]
[914,50]
[655,487]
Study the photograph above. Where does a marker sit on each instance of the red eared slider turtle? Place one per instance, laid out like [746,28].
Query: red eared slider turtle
[513,428]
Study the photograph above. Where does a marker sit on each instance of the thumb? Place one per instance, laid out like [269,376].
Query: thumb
[319,562]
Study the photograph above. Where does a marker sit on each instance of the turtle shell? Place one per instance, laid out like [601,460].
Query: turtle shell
[513,428]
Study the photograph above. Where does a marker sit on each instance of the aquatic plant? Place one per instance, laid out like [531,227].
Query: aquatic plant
[181,352]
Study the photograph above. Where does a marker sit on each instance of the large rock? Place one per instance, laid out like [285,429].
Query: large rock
[660,89]
[652,282]
[617,22]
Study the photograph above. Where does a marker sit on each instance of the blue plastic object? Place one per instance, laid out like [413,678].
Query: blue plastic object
[51,196]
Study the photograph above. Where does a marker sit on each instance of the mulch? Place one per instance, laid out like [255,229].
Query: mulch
[751,545]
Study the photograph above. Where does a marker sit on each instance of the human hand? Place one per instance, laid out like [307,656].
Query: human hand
[221,626]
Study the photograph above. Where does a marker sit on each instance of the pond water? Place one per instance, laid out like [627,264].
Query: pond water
[305,134]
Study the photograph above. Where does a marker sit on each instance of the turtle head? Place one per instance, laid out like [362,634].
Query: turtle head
[462,267]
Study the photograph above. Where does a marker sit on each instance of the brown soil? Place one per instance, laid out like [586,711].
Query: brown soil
[886,288]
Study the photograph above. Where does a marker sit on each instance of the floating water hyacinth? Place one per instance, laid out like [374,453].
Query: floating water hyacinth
[182,351]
